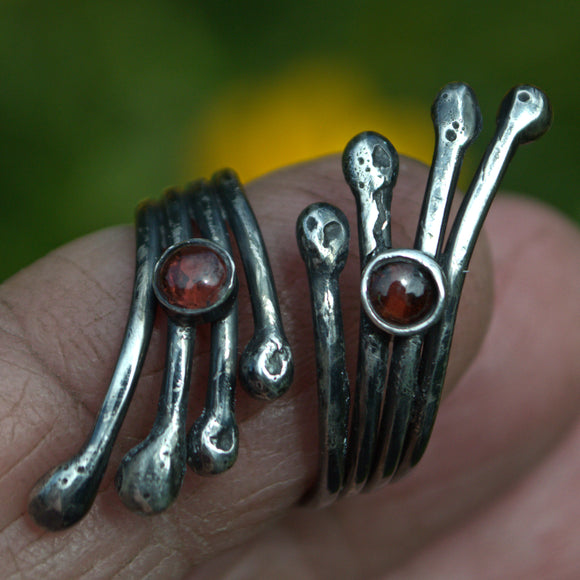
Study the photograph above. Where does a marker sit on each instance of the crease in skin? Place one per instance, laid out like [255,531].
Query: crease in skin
[48,371]
[86,273]
[16,464]
[7,311]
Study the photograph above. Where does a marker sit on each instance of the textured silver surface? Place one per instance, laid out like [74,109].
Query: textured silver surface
[266,365]
[401,368]
[371,166]
[323,236]
[151,474]
[65,494]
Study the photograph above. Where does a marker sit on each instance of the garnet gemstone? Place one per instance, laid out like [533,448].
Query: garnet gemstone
[193,277]
[401,293]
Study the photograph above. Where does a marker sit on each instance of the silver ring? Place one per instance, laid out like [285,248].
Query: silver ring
[409,297]
[194,280]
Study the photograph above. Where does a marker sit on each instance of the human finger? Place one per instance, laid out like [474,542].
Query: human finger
[63,321]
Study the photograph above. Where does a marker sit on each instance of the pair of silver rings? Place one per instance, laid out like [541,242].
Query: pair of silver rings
[409,300]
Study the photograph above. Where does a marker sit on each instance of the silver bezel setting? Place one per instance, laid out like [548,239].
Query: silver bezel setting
[211,313]
[420,260]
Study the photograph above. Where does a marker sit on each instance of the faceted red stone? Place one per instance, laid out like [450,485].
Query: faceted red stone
[401,293]
[193,277]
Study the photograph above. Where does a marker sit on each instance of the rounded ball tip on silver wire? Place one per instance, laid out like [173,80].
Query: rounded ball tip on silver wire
[212,444]
[323,236]
[456,114]
[370,162]
[266,365]
[63,496]
[529,109]
[150,475]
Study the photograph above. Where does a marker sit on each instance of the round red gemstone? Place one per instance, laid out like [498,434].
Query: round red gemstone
[401,293]
[193,277]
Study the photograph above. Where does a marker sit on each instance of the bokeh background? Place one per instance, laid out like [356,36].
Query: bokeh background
[103,103]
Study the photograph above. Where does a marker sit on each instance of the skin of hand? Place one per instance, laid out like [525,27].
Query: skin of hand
[494,497]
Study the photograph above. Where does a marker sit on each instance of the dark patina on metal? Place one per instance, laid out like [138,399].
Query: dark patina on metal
[402,363]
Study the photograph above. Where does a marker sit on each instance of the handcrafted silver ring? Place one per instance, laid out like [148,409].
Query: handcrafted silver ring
[409,300]
[409,297]
[194,280]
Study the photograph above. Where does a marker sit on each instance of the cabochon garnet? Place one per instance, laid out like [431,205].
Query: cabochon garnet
[401,293]
[193,277]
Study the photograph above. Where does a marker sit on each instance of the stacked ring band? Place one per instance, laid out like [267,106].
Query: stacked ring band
[409,297]
[409,301]
[194,280]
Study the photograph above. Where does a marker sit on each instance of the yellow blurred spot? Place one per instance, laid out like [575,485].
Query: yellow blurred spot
[305,113]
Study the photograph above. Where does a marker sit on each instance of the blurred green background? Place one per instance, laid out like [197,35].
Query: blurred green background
[105,103]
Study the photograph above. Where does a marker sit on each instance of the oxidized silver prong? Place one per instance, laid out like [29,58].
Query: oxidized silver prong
[457,122]
[65,494]
[212,442]
[323,235]
[266,366]
[370,165]
[150,475]
[524,115]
